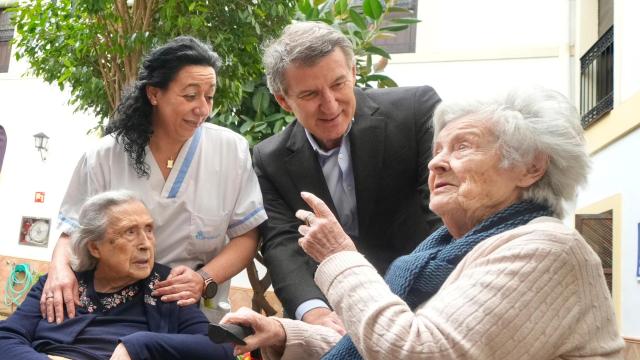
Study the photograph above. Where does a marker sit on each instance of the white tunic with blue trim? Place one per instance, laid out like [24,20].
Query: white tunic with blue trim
[210,196]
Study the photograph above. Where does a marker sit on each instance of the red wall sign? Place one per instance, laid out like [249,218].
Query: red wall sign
[39,197]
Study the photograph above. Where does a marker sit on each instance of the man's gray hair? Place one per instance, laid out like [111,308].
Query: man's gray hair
[301,43]
[93,222]
[527,122]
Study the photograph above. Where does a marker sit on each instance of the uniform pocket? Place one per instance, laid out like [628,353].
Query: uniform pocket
[207,235]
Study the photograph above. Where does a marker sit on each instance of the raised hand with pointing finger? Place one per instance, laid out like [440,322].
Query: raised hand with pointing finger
[322,235]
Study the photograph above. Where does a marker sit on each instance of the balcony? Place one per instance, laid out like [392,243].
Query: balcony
[596,80]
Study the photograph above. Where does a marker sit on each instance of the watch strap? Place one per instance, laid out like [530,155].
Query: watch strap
[205,275]
[207,282]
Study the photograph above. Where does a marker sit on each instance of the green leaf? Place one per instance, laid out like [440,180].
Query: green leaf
[378,51]
[377,77]
[372,8]
[274,117]
[408,21]
[398,9]
[357,19]
[388,82]
[246,126]
[341,7]
[278,126]
[248,86]
[394,28]
[261,100]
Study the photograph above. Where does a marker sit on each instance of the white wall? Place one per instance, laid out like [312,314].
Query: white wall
[28,107]
[626,30]
[466,47]
[614,173]
[467,78]
[471,25]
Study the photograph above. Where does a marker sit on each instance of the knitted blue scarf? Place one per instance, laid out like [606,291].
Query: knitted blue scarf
[418,276]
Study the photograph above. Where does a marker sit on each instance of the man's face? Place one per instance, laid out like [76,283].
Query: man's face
[321,97]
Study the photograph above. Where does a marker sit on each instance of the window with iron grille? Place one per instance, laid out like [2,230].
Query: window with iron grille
[597,230]
[6,34]
[596,79]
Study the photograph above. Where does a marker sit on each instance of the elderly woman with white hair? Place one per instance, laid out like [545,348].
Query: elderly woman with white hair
[117,317]
[504,278]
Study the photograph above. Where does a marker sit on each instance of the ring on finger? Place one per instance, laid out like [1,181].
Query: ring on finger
[50,296]
[308,219]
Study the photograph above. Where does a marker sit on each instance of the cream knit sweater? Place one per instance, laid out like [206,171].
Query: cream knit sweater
[535,292]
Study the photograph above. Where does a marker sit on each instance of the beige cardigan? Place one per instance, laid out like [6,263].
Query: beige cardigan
[535,292]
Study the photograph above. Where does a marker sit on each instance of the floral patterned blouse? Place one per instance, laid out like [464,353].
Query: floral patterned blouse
[94,301]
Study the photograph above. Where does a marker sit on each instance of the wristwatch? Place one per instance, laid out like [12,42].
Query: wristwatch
[210,286]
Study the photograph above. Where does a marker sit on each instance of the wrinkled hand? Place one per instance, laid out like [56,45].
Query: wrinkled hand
[268,332]
[322,235]
[60,291]
[120,353]
[182,285]
[325,317]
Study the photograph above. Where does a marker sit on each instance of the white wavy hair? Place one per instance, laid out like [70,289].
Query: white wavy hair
[527,121]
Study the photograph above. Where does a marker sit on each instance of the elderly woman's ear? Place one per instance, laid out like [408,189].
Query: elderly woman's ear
[535,170]
[93,249]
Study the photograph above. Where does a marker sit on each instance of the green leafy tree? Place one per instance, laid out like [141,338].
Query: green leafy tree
[94,47]
[259,116]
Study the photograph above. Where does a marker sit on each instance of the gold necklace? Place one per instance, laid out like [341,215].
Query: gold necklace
[170,163]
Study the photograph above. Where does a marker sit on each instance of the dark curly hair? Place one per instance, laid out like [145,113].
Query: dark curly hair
[131,123]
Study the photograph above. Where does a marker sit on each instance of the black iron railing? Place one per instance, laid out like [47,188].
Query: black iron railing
[596,79]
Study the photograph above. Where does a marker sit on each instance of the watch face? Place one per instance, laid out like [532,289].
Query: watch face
[38,232]
[210,290]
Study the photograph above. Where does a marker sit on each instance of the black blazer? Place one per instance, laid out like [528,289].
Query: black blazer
[390,148]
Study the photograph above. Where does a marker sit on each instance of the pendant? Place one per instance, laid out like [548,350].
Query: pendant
[170,164]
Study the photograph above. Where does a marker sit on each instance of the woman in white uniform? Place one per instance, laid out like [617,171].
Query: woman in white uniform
[195,177]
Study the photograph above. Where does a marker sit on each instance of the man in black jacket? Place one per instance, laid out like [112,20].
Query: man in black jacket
[362,151]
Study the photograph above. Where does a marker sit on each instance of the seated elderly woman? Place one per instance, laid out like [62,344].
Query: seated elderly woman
[502,279]
[118,318]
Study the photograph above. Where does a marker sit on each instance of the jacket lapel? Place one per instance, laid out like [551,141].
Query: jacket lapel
[303,167]
[367,150]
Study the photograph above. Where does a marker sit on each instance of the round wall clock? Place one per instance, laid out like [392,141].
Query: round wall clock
[38,232]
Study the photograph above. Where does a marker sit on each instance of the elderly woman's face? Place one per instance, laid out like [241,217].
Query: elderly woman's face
[186,103]
[466,181]
[127,250]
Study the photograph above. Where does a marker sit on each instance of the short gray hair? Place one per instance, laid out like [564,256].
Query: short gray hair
[526,122]
[301,43]
[93,221]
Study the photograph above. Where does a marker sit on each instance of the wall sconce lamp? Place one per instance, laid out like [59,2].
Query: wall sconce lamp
[41,140]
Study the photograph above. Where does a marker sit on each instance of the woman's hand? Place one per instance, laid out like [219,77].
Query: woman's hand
[60,291]
[325,317]
[268,332]
[182,285]
[322,235]
[120,353]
